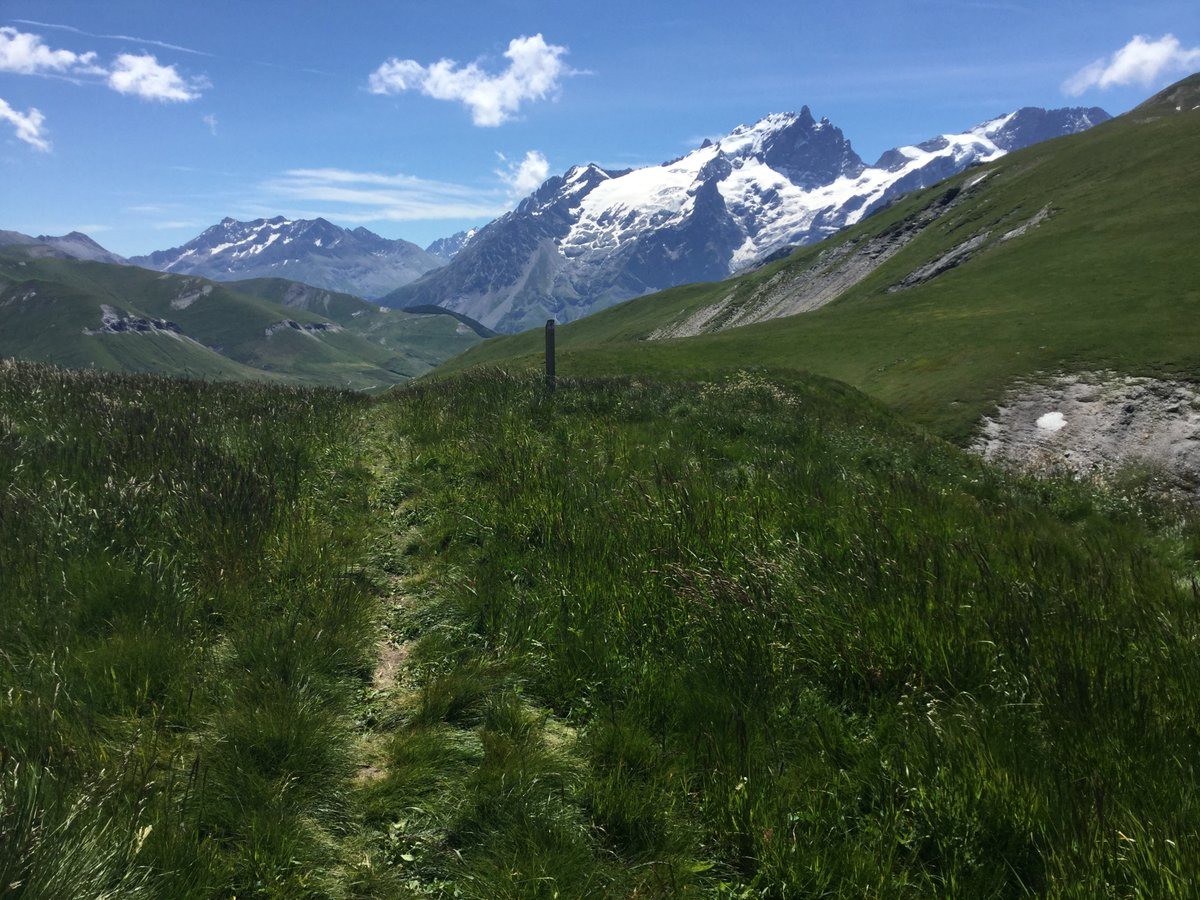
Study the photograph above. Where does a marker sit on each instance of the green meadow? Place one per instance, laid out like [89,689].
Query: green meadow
[752,636]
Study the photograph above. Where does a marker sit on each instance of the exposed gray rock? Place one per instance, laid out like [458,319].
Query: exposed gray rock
[1094,423]
[309,328]
[835,271]
[954,257]
[113,322]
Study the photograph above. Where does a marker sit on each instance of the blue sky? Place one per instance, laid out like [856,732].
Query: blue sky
[310,108]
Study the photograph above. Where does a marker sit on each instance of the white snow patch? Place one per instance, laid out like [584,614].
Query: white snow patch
[1052,421]
[979,179]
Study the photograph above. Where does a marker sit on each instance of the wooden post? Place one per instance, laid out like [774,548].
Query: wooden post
[550,355]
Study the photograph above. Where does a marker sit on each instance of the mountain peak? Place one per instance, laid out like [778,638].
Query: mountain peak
[808,153]
[588,238]
[313,251]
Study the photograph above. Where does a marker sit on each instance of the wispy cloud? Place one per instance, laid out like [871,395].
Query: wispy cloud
[211,121]
[375,197]
[29,126]
[535,70]
[308,69]
[1142,62]
[525,176]
[112,37]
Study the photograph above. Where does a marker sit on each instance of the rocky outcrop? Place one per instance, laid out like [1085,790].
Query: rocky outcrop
[1097,423]
[112,321]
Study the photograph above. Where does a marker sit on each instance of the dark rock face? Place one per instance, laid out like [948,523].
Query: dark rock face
[809,153]
[313,251]
[590,237]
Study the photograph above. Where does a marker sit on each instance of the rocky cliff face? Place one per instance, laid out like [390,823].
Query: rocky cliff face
[591,237]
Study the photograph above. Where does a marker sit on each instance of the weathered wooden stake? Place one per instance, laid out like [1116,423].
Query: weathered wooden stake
[550,354]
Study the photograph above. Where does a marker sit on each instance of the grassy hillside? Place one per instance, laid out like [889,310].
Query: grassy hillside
[48,307]
[44,321]
[636,638]
[1109,280]
[424,337]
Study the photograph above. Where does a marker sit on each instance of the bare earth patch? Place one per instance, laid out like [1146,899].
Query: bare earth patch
[1097,422]
[391,659]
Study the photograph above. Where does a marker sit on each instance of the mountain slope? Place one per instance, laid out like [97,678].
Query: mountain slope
[425,336]
[75,245]
[126,318]
[1073,254]
[592,237]
[447,248]
[313,251]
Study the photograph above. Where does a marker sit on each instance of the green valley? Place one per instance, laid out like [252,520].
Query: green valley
[124,318]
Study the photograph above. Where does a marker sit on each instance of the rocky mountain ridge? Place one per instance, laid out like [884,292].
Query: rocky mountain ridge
[314,251]
[593,237]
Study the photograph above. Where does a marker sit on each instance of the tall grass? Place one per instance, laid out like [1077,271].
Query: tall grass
[758,639]
[181,635]
[748,638]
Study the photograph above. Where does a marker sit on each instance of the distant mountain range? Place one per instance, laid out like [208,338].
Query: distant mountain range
[75,245]
[593,237]
[313,251]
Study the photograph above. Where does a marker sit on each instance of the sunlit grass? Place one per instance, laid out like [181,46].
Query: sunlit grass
[790,647]
[746,638]
[181,635]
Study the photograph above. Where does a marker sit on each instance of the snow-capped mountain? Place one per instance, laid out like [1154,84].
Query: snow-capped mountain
[313,251]
[591,237]
[447,248]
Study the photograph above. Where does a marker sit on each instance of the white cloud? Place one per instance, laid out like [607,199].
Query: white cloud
[375,197]
[1141,61]
[142,75]
[534,71]
[526,176]
[211,121]
[26,54]
[139,74]
[29,125]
